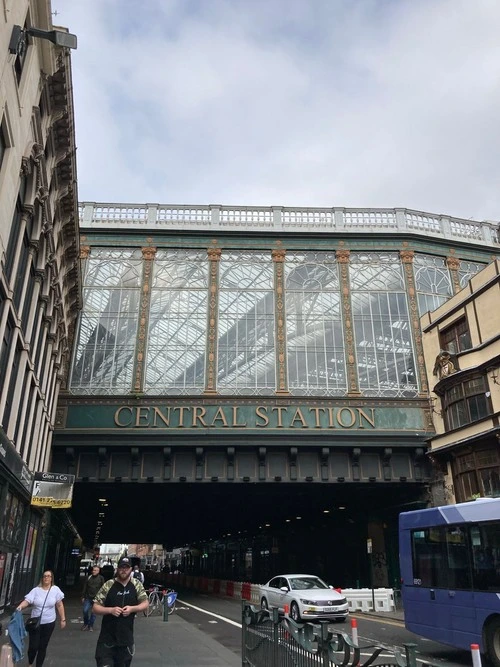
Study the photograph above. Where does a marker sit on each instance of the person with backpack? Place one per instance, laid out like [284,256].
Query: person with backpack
[137,574]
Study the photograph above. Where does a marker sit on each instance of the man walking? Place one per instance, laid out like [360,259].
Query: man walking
[118,601]
[90,589]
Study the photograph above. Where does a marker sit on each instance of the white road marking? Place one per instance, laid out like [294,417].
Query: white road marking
[210,613]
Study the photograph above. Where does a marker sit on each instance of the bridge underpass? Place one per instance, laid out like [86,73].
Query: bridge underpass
[181,514]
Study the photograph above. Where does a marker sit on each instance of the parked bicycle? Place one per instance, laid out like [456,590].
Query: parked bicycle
[159,596]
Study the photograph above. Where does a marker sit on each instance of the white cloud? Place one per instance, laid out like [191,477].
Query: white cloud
[286,102]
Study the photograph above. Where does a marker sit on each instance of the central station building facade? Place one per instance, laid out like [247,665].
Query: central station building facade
[262,360]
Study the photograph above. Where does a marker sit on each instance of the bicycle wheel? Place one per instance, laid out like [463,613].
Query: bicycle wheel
[154,603]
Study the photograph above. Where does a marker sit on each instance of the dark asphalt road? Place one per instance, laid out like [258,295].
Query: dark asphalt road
[371,629]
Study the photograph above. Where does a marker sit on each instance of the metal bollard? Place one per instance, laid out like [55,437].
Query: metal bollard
[165,606]
[354,631]
[476,655]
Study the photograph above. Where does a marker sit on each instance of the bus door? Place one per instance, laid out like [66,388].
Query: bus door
[442,595]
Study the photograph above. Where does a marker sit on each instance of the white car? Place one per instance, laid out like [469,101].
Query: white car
[307,597]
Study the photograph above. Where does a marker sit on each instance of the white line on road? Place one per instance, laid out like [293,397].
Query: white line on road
[210,613]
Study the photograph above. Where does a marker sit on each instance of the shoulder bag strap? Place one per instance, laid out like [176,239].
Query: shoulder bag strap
[44,603]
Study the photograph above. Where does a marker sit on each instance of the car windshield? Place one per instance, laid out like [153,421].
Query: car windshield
[306,583]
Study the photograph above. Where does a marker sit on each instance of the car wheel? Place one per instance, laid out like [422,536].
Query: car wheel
[492,635]
[263,604]
[294,612]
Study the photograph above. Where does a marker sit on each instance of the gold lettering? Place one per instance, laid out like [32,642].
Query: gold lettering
[331,423]
[181,409]
[316,412]
[370,420]
[140,415]
[199,417]
[118,415]
[235,417]
[298,416]
[261,412]
[165,418]
[219,416]
[279,410]
[340,418]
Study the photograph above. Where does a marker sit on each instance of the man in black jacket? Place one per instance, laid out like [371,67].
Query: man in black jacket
[92,585]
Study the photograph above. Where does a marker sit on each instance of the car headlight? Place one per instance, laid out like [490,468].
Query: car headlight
[308,602]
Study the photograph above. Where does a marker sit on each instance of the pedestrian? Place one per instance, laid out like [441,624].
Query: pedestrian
[90,589]
[137,574]
[118,601]
[46,599]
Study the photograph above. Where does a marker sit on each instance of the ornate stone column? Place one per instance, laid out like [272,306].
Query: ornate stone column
[343,257]
[407,261]
[278,256]
[214,255]
[148,255]
[453,264]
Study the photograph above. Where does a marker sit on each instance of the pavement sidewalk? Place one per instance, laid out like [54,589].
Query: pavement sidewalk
[164,643]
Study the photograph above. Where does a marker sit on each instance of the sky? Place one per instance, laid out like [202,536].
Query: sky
[311,103]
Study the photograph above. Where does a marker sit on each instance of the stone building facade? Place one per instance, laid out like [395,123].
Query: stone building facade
[40,291]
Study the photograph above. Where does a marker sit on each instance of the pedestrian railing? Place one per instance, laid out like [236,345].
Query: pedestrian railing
[271,640]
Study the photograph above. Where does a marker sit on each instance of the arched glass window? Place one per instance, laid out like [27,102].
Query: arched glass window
[384,349]
[246,347]
[105,347]
[175,357]
[315,343]
[467,271]
[432,280]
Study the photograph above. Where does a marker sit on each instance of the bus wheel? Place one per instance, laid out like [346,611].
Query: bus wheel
[492,636]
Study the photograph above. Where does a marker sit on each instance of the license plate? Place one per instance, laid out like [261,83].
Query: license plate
[329,609]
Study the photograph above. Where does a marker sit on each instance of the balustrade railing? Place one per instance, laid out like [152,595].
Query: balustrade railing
[285,219]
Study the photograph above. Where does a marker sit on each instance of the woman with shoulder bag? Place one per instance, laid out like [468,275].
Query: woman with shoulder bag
[45,599]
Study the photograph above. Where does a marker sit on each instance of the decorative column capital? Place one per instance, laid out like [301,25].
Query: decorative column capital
[407,256]
[84,251]
[148,253]
[343,256]
[278,255]
[214,254]
[453,263]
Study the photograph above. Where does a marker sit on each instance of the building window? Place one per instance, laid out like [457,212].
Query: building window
[108,325]
[246,351]
[456,338]
[3,142]
[175,362]
[315,342]
[477,473]
[384,347]
[467,271]
[433,282]
[466,402]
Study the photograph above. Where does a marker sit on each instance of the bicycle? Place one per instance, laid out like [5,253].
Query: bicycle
[157,598]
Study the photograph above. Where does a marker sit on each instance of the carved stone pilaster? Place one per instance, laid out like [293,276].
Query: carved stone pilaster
[280,316]
[407,261]
[148,254]
[343,257]
[453,264]
[214,255]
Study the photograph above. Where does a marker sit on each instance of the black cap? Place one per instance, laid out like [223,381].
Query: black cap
[124,562]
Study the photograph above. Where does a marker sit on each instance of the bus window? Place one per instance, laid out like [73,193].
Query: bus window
[440,558]
[485,540]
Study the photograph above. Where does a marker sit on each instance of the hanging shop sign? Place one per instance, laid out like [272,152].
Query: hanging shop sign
[52,489]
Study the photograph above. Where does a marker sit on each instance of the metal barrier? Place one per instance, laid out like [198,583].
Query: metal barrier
[269,640]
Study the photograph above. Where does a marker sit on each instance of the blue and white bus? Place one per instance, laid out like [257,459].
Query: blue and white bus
[450,570]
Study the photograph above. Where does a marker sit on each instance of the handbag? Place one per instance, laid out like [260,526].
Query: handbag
[33,623]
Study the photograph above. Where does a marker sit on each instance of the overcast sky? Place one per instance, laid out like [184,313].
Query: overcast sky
[356,103]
